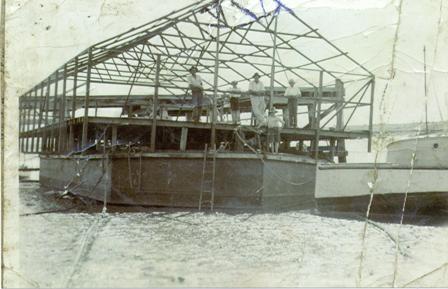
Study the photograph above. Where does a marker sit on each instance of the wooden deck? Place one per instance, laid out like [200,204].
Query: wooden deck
[289,133]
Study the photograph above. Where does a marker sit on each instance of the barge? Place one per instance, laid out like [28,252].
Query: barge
[152,154]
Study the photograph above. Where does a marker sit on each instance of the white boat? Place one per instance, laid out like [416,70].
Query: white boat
[421,178]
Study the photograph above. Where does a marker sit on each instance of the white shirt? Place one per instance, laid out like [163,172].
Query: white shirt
[195,81]
[234,92]
[293,92]
[254,86]
[274,121]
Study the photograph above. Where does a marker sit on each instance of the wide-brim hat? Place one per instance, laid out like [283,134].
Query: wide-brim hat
[193,68]
[256,74]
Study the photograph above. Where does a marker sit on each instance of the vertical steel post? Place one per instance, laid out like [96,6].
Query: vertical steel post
[20,123]
[339,85]
[28,120]
[53,133]
[215,79]
[47,108]
[62,114]
[75,87]
[340,93]
[312,109]
[71,138]
[317,132]
[372,97]
[426,91]
[34,121]
[114,137]
[39,141]
[155,105]
[23,120]
[274,51]
[183,139]
[85,124]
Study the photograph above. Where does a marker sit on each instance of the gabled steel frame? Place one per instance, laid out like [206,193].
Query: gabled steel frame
[130,59]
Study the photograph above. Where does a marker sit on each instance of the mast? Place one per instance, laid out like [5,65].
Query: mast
[426,91]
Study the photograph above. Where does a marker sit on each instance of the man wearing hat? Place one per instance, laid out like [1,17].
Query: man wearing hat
[257,92]
[234,97]
[290,114]
[195,84]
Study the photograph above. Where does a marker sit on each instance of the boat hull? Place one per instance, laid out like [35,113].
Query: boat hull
[350,188]
[174,179]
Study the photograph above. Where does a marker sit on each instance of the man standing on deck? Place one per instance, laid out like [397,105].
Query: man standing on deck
[195,84]
[274,125]
[292,93]
[257,92]
[234,98]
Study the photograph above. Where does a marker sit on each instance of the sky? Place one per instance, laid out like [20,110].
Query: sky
[381,34]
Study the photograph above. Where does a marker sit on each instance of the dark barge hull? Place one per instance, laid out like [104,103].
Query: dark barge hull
[174,179]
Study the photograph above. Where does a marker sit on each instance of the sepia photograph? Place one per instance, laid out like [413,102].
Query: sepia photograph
[224,143]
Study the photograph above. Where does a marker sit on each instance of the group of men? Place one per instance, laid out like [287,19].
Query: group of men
[258,99]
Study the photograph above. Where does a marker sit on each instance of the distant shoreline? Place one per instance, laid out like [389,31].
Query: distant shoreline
[434,127]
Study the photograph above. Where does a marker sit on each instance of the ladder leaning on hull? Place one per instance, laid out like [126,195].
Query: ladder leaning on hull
[208,178]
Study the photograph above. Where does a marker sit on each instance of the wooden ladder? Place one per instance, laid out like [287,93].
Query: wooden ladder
[208,178]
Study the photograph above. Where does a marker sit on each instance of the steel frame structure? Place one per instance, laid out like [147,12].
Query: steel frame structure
[156,57]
